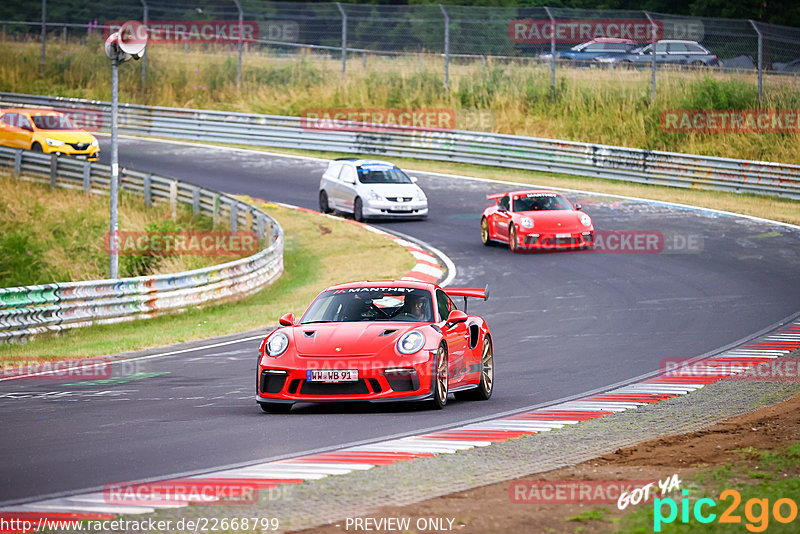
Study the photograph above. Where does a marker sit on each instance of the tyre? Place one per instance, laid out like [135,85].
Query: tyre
[485,232]
[513,245]
[358,210]
[698,63]
[486,385]
[439,384]
[275,407]
[36,147]
[323,202]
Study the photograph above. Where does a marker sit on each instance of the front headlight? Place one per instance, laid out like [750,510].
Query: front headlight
[526,222]
[54,142]
[374,196]
[94,144]
[586,220]
[411,342]
[421,195]
[277,344]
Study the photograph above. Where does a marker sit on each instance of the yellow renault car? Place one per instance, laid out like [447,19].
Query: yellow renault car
[48,131]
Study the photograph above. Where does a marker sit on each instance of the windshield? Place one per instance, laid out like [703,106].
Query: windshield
[382,175]
[540,202]
[53,122]
[371,304]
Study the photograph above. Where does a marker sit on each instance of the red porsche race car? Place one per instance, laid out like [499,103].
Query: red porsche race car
[378,341]
[536,220]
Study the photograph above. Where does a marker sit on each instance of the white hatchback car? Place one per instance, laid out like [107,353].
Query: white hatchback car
[371,189]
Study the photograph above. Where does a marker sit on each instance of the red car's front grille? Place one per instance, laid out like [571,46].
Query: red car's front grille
[340,388]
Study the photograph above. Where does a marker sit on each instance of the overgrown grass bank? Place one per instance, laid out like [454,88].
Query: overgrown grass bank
[58,235]
[590,105]
[311,263]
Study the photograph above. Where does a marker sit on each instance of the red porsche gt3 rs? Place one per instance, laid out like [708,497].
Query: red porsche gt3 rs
[378,341]
[536,220]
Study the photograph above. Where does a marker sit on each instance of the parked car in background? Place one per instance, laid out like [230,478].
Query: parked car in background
[47,131]
[669,52]
[792,66]
[586,52]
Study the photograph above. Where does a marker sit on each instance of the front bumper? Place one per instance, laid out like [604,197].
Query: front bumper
[89,155]
[549,241]
[387,209]
[409,381]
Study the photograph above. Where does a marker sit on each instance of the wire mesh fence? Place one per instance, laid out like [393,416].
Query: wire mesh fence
[556,37]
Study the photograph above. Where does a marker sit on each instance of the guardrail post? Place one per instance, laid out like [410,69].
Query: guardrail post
[148,184]
[234,216]
[215,210]
[760,60]
[87,178]
[248,220]
[552,52]
[17,163]
[173,198]
[344,38]
[260,227]
[196,200]
[446,47]
[653,57]
[53,170]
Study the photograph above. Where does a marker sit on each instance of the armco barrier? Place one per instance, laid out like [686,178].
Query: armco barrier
[549,155]
[26,311]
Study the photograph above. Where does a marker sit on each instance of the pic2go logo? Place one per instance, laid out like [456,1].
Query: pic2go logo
[756,511]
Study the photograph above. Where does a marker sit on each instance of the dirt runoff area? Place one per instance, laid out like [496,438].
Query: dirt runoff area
[491,509]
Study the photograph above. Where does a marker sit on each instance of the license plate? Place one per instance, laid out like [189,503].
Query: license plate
[561,236]
[332,375]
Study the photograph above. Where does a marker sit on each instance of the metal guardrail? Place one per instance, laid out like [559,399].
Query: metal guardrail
[539,154]
[31,310]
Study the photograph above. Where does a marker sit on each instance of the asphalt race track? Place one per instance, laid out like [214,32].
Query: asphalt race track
[563,323]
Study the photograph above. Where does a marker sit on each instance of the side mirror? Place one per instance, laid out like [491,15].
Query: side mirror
[456,316]
[413,179]
[578,206]
[286,320]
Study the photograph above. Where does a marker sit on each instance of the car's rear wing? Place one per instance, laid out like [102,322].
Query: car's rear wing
[468,293]
[495,196]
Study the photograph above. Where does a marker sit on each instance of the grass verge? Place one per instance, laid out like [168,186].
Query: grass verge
[51,235]
[755,492]
[347,252]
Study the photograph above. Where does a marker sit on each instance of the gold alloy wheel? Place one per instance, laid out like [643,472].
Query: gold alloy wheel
[512,239]
[440,396]
[485,231]
[487,364]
